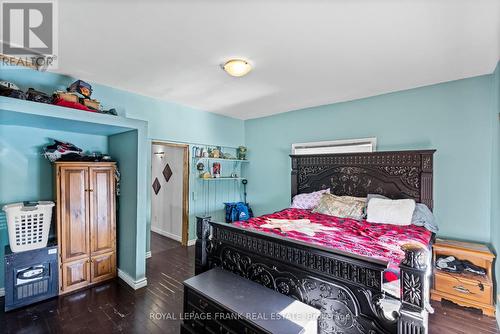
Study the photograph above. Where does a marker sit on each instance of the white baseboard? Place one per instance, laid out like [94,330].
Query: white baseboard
[171,236]
[2,292]
[130,281]
[166,234]
[148,255]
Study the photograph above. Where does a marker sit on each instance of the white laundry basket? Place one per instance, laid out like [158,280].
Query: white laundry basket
[28,224]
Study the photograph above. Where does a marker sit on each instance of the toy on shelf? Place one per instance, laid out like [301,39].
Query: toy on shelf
[205,175]
[216,171]
[9,89]
[81,87]
[69,100]
[92,104]
[83,91]
[68,97]
[242,153]
[37,96]
[228,156]
[78,96]
[111,111]
[215,152]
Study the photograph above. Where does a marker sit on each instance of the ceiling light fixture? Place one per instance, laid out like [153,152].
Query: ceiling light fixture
[237,67]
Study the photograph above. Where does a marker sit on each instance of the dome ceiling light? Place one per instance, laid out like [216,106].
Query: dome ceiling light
[237,67]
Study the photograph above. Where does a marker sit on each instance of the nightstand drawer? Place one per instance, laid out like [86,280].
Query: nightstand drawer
[463,287]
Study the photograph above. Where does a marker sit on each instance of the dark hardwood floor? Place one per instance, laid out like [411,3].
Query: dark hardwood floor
[114,307]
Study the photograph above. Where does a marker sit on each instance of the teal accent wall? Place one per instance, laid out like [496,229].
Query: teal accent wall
[495,179]
[25,175]
[22,161]
[120,146]
[455,118]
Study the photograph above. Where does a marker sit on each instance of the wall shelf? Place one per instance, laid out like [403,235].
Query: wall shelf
[213,192]
[218,159]
[49,116]
[223,179]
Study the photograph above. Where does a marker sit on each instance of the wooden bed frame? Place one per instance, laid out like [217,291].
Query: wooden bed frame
[346,288]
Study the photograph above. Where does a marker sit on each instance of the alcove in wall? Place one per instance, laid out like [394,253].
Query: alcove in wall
[25,127]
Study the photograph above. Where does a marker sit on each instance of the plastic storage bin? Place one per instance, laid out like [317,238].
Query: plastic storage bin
[30,276]
[28,224]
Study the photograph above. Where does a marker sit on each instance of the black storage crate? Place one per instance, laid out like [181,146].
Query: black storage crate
[30,276]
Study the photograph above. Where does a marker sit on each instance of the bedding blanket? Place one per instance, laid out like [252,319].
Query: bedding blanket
[380,241]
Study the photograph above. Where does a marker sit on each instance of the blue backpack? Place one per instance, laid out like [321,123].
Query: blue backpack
[237,211]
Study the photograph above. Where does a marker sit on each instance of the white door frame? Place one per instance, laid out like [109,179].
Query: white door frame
[185,187]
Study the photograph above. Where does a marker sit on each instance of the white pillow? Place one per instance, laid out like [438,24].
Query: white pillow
[390,211]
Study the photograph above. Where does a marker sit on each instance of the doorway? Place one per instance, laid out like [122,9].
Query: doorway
[170,190]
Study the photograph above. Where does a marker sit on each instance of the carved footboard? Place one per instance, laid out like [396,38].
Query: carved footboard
[414,280]
[346,289]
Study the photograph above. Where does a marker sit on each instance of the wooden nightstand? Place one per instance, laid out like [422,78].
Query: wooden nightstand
[464,289]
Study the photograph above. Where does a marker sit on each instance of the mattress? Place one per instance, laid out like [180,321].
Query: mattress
[378,241]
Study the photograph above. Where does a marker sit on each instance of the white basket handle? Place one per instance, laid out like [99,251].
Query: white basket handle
[29,206]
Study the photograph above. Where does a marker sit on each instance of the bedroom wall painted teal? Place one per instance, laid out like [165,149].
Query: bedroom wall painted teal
[25,175]
[455,118]
[495,180]
[21,159]
[120,146]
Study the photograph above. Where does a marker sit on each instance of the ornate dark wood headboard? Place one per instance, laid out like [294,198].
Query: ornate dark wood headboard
[396,174]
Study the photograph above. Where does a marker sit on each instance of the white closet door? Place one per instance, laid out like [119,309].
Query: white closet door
[166,206]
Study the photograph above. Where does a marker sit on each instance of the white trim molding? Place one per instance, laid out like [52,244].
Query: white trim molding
[148,254]
[191,242]
[336,146]
[2,292]
[130,281]
[166,234]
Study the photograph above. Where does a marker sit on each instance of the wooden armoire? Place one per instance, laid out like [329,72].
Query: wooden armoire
[86,223]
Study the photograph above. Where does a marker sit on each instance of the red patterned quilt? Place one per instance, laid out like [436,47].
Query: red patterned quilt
[380,241]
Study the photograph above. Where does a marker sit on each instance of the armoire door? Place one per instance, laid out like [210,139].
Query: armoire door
[75,275]
[102,210]
[102,267]
[75,227]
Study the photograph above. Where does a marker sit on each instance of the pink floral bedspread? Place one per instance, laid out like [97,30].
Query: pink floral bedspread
[380,241]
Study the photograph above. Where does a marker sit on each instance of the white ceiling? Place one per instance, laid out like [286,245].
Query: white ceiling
[305,53]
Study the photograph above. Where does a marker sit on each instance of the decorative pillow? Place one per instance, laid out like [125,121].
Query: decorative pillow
[390,211]
[308,201]
[422,216]
[341,206]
